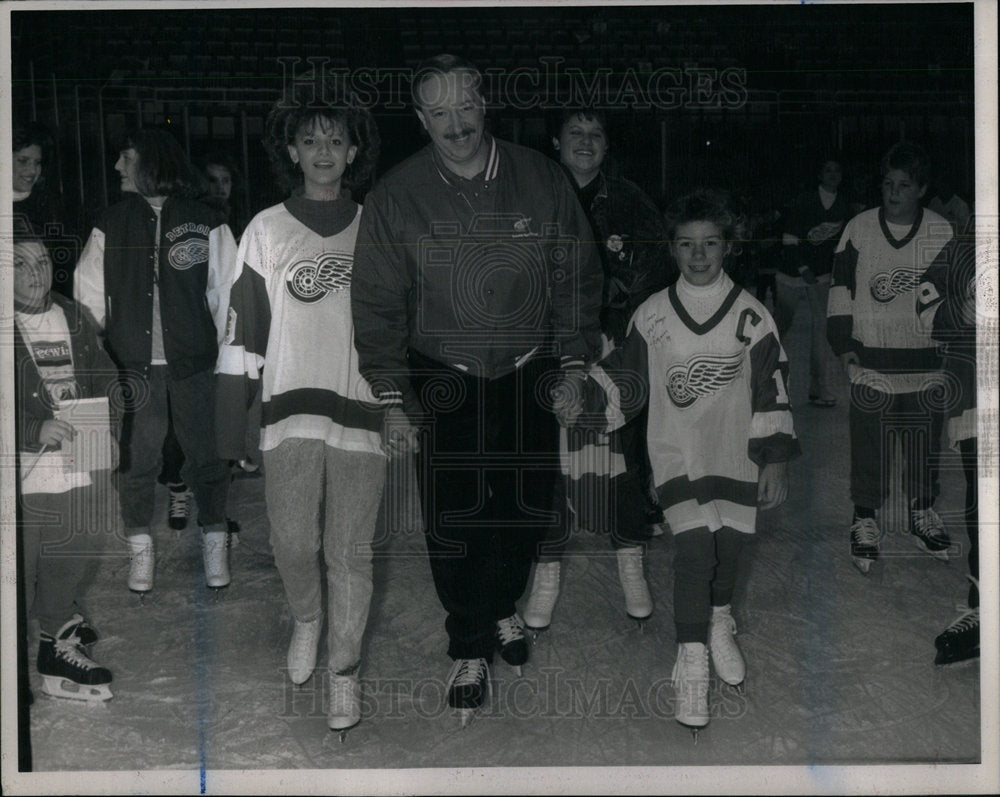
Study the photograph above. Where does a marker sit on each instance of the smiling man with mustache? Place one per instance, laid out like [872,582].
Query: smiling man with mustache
[475,298]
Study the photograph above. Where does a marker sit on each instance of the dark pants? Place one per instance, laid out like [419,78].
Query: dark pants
[971,468]
[173,456]
[191,405]
[705,567]
[877,421]
[486,470]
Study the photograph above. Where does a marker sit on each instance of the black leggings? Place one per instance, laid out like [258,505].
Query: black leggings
[705,566]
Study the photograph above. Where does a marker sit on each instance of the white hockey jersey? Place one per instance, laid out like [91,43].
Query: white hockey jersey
[718,404]
[873,295]
[289,331]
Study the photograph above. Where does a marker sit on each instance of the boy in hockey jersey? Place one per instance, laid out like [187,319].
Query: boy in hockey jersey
[706,356]
[893,365]
[58,360]
[290,335]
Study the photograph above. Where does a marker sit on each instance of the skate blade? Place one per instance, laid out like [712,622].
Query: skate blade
[944,660]
[640,622]
[863,564]
[342,732]
[71,690]
[695,729]
[941,555]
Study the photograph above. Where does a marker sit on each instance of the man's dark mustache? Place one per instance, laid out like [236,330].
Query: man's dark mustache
[464,132]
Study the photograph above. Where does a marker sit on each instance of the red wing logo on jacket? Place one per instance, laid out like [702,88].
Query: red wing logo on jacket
[701,376]
[886,286]
[184,254]
[311,280]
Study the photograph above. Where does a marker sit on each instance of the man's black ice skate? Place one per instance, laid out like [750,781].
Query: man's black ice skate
[960,640]
[468,687]
[177,513]
[80,630]
[68,672]
[511,641]
[928,532]
[865,536]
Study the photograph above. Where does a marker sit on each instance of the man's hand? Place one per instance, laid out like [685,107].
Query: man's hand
[772,485]
[567,396]
[399,436]
[53,432]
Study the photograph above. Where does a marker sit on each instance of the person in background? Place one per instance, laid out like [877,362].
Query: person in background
[894,367]
[947,203]
[811,231]
[151,274]
[38,206]
[605,484]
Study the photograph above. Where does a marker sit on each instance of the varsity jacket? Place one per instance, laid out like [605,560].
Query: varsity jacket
[632,239]
[290,335]
[114,281]
[478,274]
[807,213]
[872,296]
[95,374]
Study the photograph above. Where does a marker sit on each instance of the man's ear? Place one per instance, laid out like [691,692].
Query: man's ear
[422,118]
[555,143]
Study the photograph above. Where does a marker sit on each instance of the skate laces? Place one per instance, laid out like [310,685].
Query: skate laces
[865,531]
[965,622]
[342,693]
[69,651]
[178,503]
[510,629]
[468,672]
[927,522]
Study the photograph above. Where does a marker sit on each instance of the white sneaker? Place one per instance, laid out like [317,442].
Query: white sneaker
[345,702]
[215,554]
[142,564]
[544,592]
[638,602]
[302,650]
[726,656]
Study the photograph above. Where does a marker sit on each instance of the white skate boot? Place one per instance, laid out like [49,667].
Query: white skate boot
[302,650]
[142,564]
[638,602]
[690,677]
[215,554]
[68,672]
[726,656]
[541,602]
[345,702]
[468,687]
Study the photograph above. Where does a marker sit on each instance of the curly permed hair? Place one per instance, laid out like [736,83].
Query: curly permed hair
[284,122]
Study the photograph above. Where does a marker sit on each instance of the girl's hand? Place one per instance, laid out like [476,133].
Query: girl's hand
[53,432]
[399,436]
[772,485]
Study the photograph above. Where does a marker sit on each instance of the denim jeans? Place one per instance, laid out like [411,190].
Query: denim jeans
[822,362]
[63,535]
[303,476]
[191,405]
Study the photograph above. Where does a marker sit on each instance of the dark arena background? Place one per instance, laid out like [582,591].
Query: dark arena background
[840,665]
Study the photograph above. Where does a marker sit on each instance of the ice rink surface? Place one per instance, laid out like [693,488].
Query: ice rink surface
[840,665]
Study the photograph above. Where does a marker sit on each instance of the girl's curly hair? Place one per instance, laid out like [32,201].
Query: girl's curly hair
[286,120]
[709,204]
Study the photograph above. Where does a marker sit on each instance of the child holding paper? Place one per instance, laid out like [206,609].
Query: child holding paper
[58,361]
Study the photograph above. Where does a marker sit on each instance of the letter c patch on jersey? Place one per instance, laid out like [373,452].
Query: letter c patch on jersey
[748,314]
